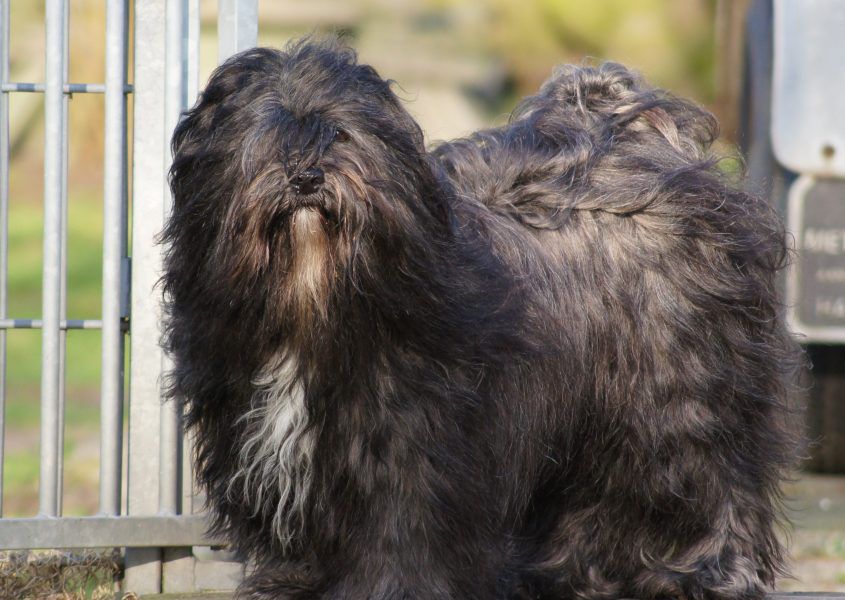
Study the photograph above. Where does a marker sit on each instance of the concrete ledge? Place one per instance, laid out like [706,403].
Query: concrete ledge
[191,596]
[155,531]
[805,595]
[229,596]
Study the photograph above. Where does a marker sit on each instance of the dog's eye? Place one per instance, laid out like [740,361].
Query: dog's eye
[341,136]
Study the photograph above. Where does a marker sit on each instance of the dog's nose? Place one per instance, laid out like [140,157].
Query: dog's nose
[308,182]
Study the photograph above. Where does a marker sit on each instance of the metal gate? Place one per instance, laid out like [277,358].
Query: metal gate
[155,522]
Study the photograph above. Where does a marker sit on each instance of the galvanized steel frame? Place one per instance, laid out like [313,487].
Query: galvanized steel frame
[157,510]
[4,222]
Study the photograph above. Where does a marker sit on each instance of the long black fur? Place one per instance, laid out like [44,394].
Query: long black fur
[545,361]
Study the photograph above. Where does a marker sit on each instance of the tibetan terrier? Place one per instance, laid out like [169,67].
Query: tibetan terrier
[544,361]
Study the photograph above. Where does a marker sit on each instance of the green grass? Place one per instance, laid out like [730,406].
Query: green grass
[82,348]
[84,277]
[21,474]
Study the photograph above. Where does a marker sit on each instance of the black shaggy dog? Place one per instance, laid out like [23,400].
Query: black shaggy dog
[545,361]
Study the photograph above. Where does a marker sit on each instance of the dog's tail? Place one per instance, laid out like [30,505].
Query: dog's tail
[587,127]
[661,275]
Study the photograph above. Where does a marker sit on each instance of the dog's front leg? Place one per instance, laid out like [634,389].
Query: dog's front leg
[407,557]
[413,512]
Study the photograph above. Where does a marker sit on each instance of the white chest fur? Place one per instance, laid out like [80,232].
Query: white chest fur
[274,462]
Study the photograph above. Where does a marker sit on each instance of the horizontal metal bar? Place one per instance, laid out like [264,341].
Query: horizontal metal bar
[68,88]
[64,324]
[105,532]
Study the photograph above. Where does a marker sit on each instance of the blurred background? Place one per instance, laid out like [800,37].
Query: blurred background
[458,66]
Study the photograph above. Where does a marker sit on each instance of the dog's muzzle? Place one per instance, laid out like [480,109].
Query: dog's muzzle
[308,182]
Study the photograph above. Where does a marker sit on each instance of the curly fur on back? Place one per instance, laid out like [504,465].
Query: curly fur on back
[544,361]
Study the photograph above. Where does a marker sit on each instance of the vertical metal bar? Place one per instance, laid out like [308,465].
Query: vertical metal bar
[114,236]
[237,26]
[60,442]
[174,102]
[178,566]
[54,128]
[191,92]
[143,565]
[193,52]
[4,221]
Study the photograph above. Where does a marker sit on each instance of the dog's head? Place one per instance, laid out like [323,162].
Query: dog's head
[292,173]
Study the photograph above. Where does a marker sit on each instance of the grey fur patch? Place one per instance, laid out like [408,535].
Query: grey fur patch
[274,463]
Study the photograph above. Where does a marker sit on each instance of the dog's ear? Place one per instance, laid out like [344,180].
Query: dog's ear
[200,138]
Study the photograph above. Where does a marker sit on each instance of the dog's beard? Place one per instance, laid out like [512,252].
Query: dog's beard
[310,264]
